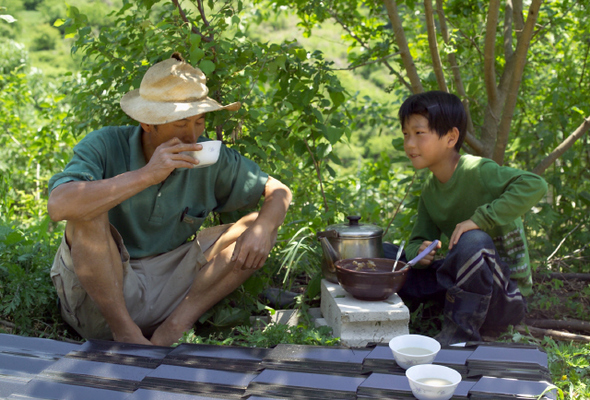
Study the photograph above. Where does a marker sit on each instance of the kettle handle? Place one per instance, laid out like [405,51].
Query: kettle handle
[330,255]
[328,234]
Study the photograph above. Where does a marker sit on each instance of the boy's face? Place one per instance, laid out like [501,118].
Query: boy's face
[423,146]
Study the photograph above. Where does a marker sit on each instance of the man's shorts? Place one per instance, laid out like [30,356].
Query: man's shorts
[153,286]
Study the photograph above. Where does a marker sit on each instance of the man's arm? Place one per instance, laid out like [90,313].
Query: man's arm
[254,245]
[87,200]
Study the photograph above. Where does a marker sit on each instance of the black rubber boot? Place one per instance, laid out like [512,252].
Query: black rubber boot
[464,314]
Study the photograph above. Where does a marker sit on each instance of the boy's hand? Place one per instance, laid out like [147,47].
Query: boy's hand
[461,228]
[430,256]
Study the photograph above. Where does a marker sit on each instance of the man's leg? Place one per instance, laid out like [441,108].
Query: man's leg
[98,266]
[213,282]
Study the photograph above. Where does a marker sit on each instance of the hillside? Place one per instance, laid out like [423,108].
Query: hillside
[49,53]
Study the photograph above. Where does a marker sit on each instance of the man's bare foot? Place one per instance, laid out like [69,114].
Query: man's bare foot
[168,333]
[131,335]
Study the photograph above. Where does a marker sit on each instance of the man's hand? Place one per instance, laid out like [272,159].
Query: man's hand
[166,158]
[253,246]
[461,228]
[429,258]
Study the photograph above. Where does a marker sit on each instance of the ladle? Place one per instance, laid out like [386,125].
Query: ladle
[420,256]
[399,253]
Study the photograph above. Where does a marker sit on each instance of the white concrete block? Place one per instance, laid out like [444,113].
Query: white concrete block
[291,317]
[359,322]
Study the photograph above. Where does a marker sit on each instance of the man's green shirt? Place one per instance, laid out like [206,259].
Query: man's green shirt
[162,217]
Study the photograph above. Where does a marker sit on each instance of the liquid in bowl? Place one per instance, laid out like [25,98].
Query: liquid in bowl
[434,381]
[415,351]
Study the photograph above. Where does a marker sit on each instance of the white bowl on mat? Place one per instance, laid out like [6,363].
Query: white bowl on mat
[433,382]
[208,155]
[409,350]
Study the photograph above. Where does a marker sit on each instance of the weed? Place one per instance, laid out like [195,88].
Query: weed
[271,335]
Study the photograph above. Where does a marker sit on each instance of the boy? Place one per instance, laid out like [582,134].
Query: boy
[478,205]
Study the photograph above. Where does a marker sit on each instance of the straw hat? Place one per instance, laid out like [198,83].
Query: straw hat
[171,90]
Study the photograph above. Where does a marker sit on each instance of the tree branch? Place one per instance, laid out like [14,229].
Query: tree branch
[563,147]
[489,54]
[433,45]
[570,324]
[520,60]
[316,165]
[365,45]
[562,242]
[471,140]
[508,16]
[401,202]
[202,12]
[474,143]
[402,43]
[563,276]
[193,27]
[518,17]
[557,335]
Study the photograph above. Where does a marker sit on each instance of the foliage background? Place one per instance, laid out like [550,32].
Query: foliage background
[319,114]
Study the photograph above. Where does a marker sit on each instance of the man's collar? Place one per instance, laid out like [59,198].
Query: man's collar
[136,150]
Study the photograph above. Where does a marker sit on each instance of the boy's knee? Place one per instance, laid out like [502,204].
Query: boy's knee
[475,239]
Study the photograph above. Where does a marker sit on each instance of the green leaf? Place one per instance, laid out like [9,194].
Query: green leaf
[207,67]
[323,149]
[228,316]
[585,197]
[333,134]
[576,109]
[70,32]
[337,97]
[13,238]
[8,18]
[196,54]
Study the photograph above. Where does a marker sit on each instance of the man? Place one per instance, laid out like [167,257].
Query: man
[131,199]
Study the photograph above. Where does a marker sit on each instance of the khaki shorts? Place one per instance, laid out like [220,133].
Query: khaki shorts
[152,286]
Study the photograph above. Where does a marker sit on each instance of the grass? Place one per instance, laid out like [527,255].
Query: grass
[33,307]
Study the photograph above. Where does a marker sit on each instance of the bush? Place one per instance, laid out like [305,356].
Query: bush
[46,38]
[31,4]
[28,297]
[13,56]
[52,10]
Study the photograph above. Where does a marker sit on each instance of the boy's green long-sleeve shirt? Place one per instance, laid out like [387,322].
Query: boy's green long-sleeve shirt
[492,196]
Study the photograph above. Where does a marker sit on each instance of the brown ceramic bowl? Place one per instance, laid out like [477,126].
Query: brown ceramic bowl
[370,278]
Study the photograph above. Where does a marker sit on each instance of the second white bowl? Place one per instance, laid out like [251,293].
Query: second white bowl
[409,350]
[433,382]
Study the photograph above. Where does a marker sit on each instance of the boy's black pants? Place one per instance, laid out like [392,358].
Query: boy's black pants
[472,283]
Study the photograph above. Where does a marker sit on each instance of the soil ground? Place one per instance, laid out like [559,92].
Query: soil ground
[559,299]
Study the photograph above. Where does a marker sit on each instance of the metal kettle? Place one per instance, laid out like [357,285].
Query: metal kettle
[349,240]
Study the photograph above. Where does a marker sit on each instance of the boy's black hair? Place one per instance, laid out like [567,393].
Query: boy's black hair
[444,111]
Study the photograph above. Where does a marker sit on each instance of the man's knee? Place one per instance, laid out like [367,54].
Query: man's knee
[248,219]
[80,230]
